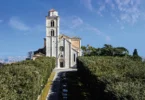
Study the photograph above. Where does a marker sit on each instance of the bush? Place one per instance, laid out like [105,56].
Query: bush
[113,78]
[25,80]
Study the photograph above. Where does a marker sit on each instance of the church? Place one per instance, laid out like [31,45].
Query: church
[66,49]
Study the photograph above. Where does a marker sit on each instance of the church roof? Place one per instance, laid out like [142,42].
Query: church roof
[75,37]
[62,35]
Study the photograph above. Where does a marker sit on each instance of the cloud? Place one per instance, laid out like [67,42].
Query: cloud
[1,21]
[93,29]
[68,32]
[108,38]
[37,29]
[69,24]
[76,22]
[11,59]
[128,11]
[87,4]
[16,23]
[72,23]
[122,27]
[101,8]
[98,32]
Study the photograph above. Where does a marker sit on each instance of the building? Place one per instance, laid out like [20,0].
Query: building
[65,49]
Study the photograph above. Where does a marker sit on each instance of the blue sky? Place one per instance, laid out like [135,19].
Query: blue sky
[97,22]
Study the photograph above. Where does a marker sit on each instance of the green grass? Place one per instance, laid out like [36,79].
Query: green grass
[46,89]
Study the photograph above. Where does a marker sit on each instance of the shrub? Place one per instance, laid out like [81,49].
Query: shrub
[25,80]
[113,78]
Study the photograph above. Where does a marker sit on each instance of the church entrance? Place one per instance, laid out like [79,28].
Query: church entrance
[61,64]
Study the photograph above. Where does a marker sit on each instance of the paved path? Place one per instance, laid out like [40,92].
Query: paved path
[54,90]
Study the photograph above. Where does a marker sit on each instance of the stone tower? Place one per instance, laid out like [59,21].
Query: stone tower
[52,35]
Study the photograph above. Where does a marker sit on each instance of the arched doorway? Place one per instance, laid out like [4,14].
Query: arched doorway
[61,62]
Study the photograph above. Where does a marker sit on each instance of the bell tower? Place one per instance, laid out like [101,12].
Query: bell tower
[52,34]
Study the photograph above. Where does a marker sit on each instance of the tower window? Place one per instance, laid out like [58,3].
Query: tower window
[52,23]
[52,32]
[74,58]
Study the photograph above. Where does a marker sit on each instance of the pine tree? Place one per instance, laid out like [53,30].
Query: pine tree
[136,56]
[135,53]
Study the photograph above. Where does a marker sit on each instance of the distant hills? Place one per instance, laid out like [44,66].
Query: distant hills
[1,64]
[12,59]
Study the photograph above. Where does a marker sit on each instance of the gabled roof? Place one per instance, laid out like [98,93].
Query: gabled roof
[65,36]
[67,40]
[75,37]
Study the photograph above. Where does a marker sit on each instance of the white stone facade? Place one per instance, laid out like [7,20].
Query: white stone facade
[60,46]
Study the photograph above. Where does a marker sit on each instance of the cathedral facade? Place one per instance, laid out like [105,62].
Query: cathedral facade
[65,49]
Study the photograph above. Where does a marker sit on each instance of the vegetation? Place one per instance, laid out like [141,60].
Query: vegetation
[25,80]
[40,50]
[112,78]
[135,55]
[1,64]
[109,50]
[46,89]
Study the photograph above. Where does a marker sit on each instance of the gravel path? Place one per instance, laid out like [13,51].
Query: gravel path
[54,90]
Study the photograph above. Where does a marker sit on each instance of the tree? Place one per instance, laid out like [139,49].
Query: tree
[92,51]
[120,51]
[84,49]
[136,56]
[135,53]
[30,54]
[107,50]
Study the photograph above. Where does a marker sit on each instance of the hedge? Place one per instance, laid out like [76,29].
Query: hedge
[113,78]
[25,80]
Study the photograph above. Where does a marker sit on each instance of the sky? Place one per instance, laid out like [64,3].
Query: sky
[96,22]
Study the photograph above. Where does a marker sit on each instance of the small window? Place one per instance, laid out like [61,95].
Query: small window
[52,23]
[52,32]
[61,48]
[74,58]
